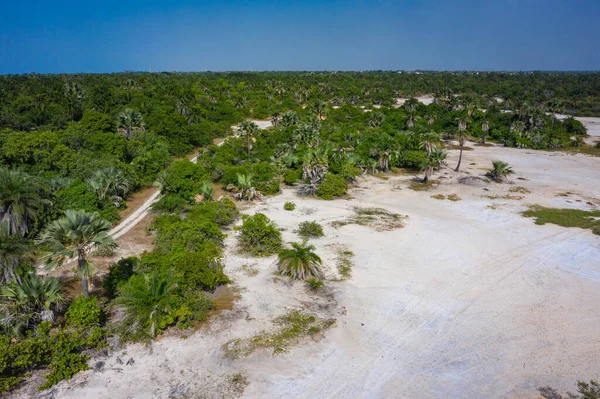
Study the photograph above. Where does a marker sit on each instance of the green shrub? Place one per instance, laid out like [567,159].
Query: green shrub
[289,206]
[292,176]
[118,273]
[412,160]
[310,230]
[268,188]
[259,236]
[333,186]
[169,203]
[184,178]
[314,283]
[84,312]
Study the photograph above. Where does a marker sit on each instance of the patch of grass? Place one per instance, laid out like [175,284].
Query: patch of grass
[454,198]
[439,197]
[289,206]
[291,328]
[250,270]
[506,197]
[565,217]
[457,147]
[564,194]
[238,382]
[519,189]
[314,283]
[345,262]
[310,230]
[418,186]
[583,149]
[378,218]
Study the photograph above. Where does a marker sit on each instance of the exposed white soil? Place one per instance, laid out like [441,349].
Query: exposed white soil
[468,300]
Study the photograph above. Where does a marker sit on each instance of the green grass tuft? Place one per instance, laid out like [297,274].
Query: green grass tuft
[565,217]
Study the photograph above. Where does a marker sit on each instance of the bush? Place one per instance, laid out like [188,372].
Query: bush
[169,203]
[84,312]
[289,206]
[118,273]
[259,236]
[412,160]
[310,230]
[292,176]
[268,188]
[314,283]
[332,186]
[184,178]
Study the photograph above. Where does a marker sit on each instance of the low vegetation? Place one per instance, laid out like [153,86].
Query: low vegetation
[290,329]
[259,236]
[377,218]
[565,217]
[500,170]
[308,230]
[519,189]
[289,206]
[345,262]
[300,262]
[585,390]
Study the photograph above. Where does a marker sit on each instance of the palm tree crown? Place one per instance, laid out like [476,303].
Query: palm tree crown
[299,262]
[75,236]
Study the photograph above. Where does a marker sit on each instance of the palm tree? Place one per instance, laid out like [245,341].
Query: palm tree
[462,137]
[109,183]
[431,119]
[207,191]
[555,107]
[146,303]
[299,262]
[289,118]
[74,96]
[246,188]
[29,303]
[499,171]
[22,200]
[307,133]
[75,236]
[13,252]
[128,120]
[248,129]
[319,107]
[485,128]
[429,142]
[376,119]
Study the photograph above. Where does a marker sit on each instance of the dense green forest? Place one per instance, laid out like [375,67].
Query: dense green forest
[73,148]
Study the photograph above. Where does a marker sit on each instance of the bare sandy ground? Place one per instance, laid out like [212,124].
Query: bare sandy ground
[468,300]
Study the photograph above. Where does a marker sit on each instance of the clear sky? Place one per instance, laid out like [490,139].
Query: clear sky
[177,35]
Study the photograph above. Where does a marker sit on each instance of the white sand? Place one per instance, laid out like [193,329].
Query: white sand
[465,301]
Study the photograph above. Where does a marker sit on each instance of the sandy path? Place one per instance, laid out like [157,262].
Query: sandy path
[468,300]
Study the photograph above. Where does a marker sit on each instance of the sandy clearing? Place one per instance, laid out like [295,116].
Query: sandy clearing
[465,301]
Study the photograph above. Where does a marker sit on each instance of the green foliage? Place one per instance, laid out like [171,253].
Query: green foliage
[118,273]
[184,178]
[299,262]
[289,206]
[499,171]
[314,283]
[84,313]
[169,203]
[152,302]
[565,217]
[586,390]
[259,235]
[310,230]
[333,186]
[292,176]
[63,352]
[290,329]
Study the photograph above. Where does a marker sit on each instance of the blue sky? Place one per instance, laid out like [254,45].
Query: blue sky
[112,36]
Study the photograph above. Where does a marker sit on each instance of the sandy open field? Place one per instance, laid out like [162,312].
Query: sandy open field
[467,300]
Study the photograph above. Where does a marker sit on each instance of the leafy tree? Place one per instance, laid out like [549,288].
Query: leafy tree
[74,237]
[14,252]
[28,303]
[299,262]
[22,200]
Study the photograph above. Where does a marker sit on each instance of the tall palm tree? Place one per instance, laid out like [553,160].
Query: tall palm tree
[75,236]
[248,129]
[485,128]
[129,120]
[22,200]
[462,137]
[108,183]
[30,302]
[13,252]
[74,96]
[299,262]
[319,108]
